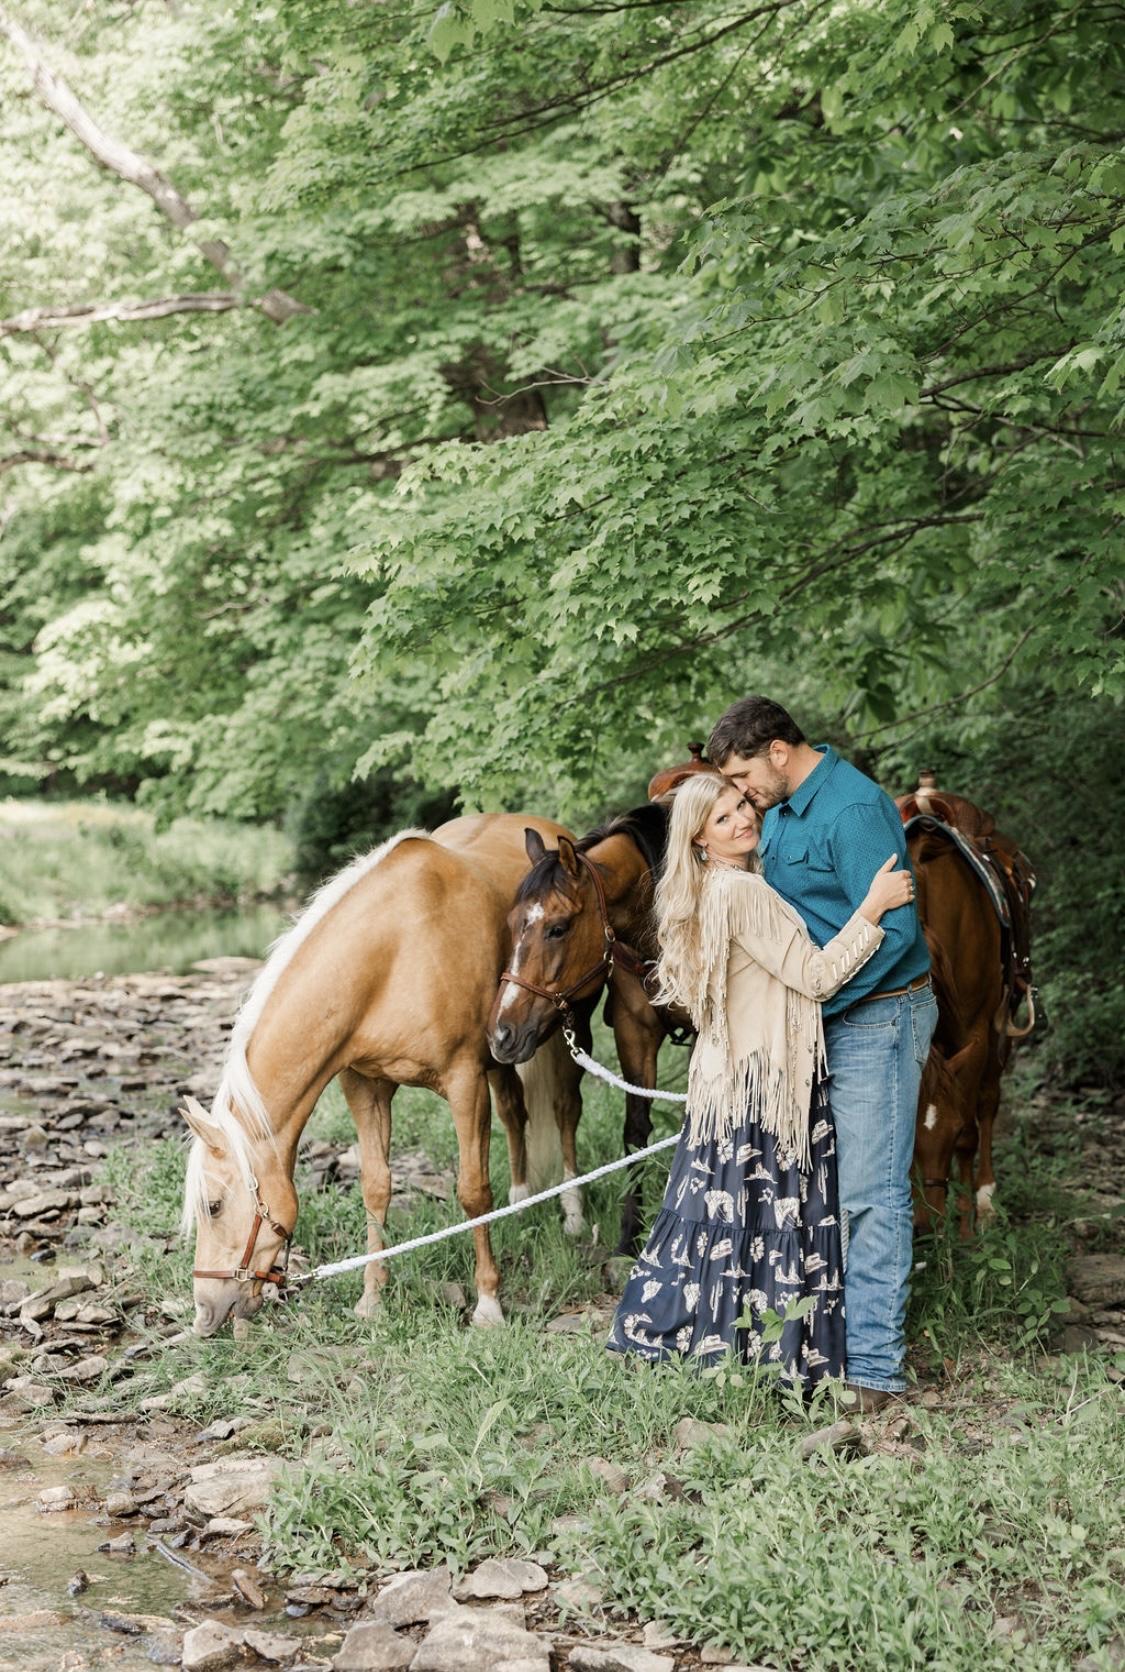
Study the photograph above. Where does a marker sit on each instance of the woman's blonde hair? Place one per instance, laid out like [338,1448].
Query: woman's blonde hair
[679,969]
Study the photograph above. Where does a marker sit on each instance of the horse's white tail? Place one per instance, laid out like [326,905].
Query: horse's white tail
[548,1081]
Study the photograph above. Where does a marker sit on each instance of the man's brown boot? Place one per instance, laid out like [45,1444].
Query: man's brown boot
[867,1400]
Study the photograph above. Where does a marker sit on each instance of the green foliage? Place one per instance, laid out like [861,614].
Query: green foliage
[1049,767]
[797,333]
[330,825]
[69,860]
[652,354]
[910,1555]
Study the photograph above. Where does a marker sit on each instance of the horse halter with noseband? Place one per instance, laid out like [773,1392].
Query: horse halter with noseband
[614,952]
[245,1273]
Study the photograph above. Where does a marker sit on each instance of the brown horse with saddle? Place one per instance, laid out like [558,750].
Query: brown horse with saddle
[974,899]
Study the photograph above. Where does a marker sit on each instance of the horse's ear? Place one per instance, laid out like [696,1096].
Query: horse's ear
[568,859]
[535,845]
[202,1125]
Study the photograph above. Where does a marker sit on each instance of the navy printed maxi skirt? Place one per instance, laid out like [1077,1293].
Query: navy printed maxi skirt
[739,1233]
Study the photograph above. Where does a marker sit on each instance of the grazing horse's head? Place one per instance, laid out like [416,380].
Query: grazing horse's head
[233,1181]
[557,938]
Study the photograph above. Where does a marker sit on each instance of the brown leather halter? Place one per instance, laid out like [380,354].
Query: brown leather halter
[615,952]
[245,1273]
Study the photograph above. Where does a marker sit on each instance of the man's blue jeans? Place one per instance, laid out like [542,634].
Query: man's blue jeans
[876,1052]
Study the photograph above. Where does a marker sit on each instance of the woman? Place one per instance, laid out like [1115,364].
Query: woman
[750,1219]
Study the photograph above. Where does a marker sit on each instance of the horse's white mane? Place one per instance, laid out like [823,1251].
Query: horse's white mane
[238,1110]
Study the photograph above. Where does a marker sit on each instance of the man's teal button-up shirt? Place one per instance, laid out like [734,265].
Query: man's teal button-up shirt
[820,850]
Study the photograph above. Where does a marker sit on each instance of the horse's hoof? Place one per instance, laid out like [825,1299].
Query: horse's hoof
[573,1222]
[370,1304]
[519,1193]
[488,1314]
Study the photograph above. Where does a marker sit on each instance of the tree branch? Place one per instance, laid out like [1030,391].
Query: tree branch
[962,696]
[120,313]
[38,455]
[120,159]
[994,371]
[822,565]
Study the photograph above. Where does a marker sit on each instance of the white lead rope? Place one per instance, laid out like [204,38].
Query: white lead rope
[358,1260]
[613,1079]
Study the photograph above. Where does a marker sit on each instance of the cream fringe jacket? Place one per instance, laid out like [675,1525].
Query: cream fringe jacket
[760,987]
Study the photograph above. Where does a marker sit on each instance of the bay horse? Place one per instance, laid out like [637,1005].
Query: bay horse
[385,980]
[558,925]
[976,996]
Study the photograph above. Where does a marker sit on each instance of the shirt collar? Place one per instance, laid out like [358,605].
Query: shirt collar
[799,801]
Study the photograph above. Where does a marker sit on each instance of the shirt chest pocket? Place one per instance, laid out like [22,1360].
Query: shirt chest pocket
[802,858]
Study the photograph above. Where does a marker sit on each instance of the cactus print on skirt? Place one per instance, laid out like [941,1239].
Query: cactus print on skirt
[739,1232]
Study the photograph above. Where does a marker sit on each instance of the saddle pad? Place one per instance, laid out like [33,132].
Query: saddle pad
[980,865]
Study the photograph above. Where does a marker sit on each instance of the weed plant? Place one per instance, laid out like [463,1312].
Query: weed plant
[61,860]
[990,1536]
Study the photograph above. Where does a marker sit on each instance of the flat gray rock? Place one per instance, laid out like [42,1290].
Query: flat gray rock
[841,1436]
[476,1640]
[688,1433]
[412,1597]
[619,1657]
[1098,1279]
[232,1486]
[370,1647]
[54,1498]
[210,1646]
[272,1646]
[612,1474]
[504,1578]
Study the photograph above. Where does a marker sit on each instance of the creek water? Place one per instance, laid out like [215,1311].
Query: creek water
[167,941]
[40,1553]
[43,1628]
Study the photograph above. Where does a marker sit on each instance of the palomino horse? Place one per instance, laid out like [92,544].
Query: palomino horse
[976,997]
[574,909]
[386,980]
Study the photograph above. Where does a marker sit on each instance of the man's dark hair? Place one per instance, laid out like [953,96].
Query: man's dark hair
[748,728]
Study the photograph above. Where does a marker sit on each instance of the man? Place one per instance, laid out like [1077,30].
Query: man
[825,832]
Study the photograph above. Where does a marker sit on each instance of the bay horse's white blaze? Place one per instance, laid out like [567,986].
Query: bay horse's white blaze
[238,1111]
[929,1119]
[511,991]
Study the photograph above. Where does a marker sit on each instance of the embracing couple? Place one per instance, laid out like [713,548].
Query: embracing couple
[788,932]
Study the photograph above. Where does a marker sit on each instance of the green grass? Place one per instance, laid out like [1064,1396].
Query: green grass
[61,860]
[991,1535]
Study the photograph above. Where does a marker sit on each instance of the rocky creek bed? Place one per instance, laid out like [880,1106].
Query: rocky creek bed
[131,1535]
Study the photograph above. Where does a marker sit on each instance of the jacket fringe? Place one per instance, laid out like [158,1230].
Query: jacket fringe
[722,1086]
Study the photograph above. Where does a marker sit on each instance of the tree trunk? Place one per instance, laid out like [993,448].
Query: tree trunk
[626,257]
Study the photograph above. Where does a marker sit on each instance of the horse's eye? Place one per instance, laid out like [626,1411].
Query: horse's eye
[214,1209]
[557,931]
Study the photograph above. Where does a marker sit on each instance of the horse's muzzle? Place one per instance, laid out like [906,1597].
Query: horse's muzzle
[211,1315]
[512,1045]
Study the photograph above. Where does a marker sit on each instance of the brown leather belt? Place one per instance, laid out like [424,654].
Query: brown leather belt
[897,992]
